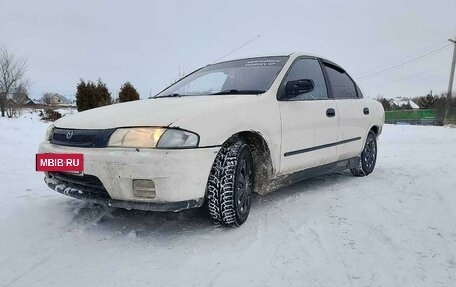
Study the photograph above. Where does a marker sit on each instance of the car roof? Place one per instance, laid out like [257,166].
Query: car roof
[283,54]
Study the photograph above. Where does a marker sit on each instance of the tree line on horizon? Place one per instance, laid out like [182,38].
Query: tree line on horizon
[14,85]
[429,101]
[441,103]
[90,95]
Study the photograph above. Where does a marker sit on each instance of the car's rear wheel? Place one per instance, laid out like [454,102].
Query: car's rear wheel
[368,157]
[230,184]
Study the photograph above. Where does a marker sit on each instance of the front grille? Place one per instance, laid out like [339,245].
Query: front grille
[87,183]
[81,138]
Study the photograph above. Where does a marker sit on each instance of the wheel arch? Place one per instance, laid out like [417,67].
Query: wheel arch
[262,158]
[375,129]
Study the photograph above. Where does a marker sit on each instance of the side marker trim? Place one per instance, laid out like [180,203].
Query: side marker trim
[299,151]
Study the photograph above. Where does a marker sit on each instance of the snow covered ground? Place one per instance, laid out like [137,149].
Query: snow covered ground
[396,227]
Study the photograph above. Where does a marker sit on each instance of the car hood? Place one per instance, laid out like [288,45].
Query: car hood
[151,112]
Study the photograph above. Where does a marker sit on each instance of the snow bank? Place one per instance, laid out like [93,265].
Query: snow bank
[396,227]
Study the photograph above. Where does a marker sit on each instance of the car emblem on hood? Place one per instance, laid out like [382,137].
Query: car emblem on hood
[69,135]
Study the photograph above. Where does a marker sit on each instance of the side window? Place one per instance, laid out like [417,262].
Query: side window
[308,69]
[341,84]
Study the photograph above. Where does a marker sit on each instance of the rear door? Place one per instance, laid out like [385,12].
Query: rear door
[309,120]
[353,114]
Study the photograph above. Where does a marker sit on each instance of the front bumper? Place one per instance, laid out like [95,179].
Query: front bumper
[180,176]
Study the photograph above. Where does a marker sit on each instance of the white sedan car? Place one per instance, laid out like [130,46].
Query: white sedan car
[218,135]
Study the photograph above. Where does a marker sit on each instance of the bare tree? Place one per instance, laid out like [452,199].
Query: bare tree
[16,103]
[12,74]
[21,95]
[46,98]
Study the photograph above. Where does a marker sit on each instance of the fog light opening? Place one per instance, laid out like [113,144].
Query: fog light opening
[144,188]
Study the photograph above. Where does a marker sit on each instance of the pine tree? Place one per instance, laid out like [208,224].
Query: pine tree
[426,102]
[82,95]
[128,93]
[103,95]
[385,103]
[90,95]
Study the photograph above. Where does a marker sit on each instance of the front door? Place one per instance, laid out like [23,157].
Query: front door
[310,120]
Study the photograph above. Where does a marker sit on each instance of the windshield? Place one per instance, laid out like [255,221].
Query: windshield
[247,76]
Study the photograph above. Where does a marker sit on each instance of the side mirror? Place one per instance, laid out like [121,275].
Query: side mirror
[294,88]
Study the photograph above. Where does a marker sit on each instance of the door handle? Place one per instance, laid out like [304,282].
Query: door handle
[330,113]
[366,111]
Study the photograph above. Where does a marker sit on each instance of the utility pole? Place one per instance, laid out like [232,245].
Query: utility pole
[450,84]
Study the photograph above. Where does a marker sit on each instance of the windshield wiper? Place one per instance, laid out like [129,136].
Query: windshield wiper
[224,92]
[170,95]
[237,92]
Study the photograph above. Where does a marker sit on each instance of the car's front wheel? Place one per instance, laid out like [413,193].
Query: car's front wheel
[230,184]
[368,157]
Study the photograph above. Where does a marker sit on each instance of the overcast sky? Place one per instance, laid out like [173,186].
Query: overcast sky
[146,42]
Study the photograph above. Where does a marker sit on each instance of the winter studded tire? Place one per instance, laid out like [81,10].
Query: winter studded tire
[368,157]
[230,184]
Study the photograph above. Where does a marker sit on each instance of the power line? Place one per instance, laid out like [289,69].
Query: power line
[395,67]
[409,77]
[243,45]
[401,59]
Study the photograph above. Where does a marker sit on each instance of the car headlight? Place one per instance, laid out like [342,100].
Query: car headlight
[49,131]
[136,137]
[152,138]
[175,138]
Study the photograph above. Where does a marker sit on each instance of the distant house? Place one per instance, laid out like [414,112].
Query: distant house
[30,104]
[401,101]
[16,99]
[59,100]
[21,100]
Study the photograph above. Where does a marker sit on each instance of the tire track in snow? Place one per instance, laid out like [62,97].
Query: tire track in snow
[27,271]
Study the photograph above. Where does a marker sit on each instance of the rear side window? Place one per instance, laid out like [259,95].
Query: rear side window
[308,69]
[342,86]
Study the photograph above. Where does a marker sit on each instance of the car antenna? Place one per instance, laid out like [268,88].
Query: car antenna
[238,48]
